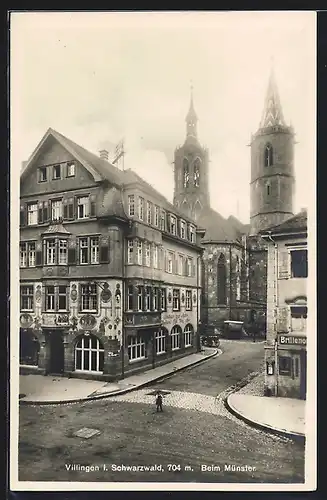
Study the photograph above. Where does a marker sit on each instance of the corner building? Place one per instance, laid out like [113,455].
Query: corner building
[109,269]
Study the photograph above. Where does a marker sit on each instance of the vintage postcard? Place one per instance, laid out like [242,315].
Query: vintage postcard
[163,309]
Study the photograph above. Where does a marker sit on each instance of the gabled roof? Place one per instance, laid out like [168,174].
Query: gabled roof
[218,228]
[100,169]
[294,224]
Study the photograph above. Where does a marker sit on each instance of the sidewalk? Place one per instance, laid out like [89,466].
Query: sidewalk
[40,389]
[284,416]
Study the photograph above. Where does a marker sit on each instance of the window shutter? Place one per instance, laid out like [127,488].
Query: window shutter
[22,220]
[65,209]
[46,212]
[104,250]
[72,252]
[283,264]
[38,254]
[283,317]
[93,205]
[70,209]
[40,212]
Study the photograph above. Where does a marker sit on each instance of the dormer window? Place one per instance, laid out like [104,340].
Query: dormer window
[183,229]
[71,169]
[42,173]
[56,172]
[172,227]
[192,234]
[163,220]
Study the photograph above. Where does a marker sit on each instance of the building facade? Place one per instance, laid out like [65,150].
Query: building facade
[109,271]
[285,349]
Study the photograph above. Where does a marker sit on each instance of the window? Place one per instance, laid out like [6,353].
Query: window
[299,263]
[285,365]
[130,251]
[163,297]
[131,205]
[32,214]
[89,354]
[26,298]
[149,212]
[160,341]
[56,210]
[183,229]
[175,337]
[299,319]
[188,299]
[170,258]
[189,266]
[163,220]
[62,298]
[147,254]
[147,298]
[268,188]
[42,172]
[192,234]
[63,252]
[136,347]
[82,207]
[89,250]
[27,254]
[139,253]
[156,215]
[268,155]
[176,299]
[29,348]
[172,227]
[50,298]
[70,169]
[130,298]
[221,280]
[155,299]
[50,252]
[238,279]
[155,256]
[180,265]
[186,173]
[89,297]
[188,335]
[56,170]
[141,208]
[140,298]
[196,175]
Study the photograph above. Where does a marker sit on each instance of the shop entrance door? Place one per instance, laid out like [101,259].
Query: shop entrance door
[56,344]
[303,375]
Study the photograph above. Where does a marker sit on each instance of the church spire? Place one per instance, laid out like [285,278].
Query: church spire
[272,113]
[191,118]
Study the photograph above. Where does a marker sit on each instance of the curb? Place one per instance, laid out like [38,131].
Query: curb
[291,435]
[120,391]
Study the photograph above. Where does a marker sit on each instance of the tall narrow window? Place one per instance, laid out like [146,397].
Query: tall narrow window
[192,234]
[63,252]
[83,251]
[131,205]
[89,297]
[140,298]
[62,298]
[51,252]
[268,188]
[156,215]
[130,251]
[50,298]
[139,253]
[268,155]
[141,208]
[186,173]
[31,254]
[42,174]
[163,304]
[173,224]
[56,210]
[32,214]
[155,256]
[176,332]
[221,280]
[147,298]
[163,220]
[23,254]
[56,169]
[196,173]
[26,298]
[188,300]
[149,212]
[176,299]
[147,250]
[82,207]
[130,298]
[94,249]
[70,169]
[183,229]
[238,279]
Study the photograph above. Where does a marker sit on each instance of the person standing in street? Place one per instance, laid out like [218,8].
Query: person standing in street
[159,401]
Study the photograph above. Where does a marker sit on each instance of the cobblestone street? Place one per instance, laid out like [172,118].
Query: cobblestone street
[192,435]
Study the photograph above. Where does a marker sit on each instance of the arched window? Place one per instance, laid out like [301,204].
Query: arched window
[268,155]
[186,173]
[89,354]
[188,335]
[175,337]
[221,280]
[238,279]
[29,348]
[196,172]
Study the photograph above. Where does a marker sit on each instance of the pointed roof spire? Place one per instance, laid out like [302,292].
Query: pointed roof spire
[191,115]
[191,118]
[272,113]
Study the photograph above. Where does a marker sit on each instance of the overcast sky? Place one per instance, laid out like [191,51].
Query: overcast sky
[98,77]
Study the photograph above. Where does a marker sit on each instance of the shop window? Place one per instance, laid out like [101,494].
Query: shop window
[136,347]
[285,365]
[160,341]
[89,354]
[299,263]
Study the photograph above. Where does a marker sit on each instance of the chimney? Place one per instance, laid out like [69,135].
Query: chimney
[104,155]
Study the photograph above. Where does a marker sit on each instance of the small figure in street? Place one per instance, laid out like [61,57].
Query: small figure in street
[159,401]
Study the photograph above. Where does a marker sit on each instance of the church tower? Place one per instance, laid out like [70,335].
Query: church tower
[191,190]
[272,169]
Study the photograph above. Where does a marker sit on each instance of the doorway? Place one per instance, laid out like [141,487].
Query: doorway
[56,346]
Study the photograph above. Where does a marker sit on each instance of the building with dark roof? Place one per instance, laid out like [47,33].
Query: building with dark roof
[109,269]
[234,254]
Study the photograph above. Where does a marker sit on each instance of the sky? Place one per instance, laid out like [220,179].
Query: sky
[100,77]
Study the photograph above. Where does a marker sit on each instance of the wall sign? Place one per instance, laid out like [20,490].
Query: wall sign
[291,340]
